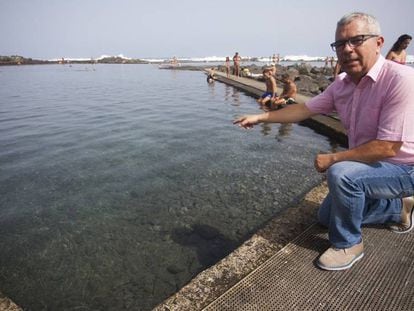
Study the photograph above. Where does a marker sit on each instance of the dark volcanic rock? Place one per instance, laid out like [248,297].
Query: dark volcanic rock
[306,85]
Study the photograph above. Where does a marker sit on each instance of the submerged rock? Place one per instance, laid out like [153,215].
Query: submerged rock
[7,305]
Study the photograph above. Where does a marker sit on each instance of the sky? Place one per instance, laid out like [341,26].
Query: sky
[49,29]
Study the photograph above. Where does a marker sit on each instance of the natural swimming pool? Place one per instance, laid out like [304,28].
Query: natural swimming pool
[119,183]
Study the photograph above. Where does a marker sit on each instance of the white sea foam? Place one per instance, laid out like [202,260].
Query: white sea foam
[189,59]
[264,59]
[205,59]
[72,59]
[304,58]
[154,60]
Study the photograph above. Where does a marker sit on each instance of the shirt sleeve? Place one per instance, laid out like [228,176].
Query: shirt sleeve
[396,121]
[324,102]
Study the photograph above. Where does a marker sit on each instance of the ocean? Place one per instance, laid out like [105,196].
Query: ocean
[120,183]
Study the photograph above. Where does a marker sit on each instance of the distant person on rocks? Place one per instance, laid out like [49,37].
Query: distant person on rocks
[174,61]
[337,70]
[245,72]
[271,89]
[326,62]
[236,64]
[273,69]
[227,66]
[373,181]
[273,59]
[288,95]
[397,52]
[332,61]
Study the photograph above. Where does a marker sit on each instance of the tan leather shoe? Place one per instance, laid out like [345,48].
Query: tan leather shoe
[341,259]
[407,217]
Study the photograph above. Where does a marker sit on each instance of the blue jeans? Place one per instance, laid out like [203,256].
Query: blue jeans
[360,194]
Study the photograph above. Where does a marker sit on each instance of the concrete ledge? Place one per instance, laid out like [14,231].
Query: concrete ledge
[326,125]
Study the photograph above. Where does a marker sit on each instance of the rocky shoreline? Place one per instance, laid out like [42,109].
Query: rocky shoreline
[7,305]
[310,80]
[14,60]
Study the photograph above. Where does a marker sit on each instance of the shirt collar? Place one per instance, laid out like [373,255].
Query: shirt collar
[376,69]
[373,72]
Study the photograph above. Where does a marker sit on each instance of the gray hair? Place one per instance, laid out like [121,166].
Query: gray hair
[373,26]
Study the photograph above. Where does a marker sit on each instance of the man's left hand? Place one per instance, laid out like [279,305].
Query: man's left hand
[324,161]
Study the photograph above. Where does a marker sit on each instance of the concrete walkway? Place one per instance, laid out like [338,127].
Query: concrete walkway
[382,280]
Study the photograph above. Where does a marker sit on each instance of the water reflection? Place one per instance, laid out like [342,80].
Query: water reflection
[335,146]
[284,131]
[265,129]
[211,88]
[227,90]
[173,74]
[236,97]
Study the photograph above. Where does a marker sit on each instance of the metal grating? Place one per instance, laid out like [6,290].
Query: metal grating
[290,280]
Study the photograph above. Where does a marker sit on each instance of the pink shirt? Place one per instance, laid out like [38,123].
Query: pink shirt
[380,107]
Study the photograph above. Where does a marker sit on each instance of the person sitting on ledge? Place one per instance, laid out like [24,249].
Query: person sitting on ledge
[271,89]
[210,76]
[373,181]
[288,94]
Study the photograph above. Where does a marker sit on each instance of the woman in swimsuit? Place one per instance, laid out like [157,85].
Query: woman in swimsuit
[397,52]
[228,66]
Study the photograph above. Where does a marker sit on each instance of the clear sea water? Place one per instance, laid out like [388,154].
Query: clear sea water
[119,183]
